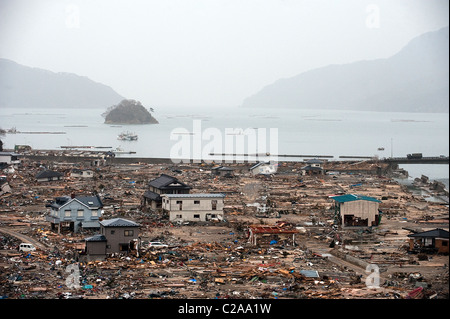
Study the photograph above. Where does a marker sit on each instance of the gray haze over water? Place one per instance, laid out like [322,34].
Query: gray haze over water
[300,132]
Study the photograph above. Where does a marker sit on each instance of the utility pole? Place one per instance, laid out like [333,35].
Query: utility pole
[392,149]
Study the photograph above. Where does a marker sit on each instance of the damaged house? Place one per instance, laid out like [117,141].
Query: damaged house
[193,207]
[271,234]
[117,235]
[222,171]
[9,158]
[164,184]
[355,210]
[48,176]
[121,234]
[75,212]
[435,240]
[313,167]
[264,168]
[83,173]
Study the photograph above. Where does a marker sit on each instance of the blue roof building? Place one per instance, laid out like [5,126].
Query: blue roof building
[352,197]
[356,210]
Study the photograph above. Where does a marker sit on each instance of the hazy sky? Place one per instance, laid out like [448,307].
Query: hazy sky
[206,52]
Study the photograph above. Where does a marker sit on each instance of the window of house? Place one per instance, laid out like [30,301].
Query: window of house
[180,202]
[444,243]
[67,213]
[80,213]
[214,204]
[94,212]
[179,216]
[196,202]
[196,215]
[113,232]
[428,241]
[129,232]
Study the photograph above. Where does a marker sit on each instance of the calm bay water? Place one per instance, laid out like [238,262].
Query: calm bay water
[313,132]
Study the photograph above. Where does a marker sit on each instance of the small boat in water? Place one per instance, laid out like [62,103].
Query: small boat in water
[381,148]
[127,136]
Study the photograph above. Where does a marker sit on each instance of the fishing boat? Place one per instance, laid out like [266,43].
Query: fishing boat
[127,136]
[381,148]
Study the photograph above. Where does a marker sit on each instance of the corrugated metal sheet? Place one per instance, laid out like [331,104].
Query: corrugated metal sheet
[309,273]
[202,195]
[118,222]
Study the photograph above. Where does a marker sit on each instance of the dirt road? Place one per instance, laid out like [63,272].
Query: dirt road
[23,238]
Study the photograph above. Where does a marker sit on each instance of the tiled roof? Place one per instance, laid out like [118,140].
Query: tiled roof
[47,174]
[151,195]
[96,238]
[165,180]
[435,233]
[118,222]
[91,201]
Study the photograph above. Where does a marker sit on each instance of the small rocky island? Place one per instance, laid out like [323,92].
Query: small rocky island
[128,112]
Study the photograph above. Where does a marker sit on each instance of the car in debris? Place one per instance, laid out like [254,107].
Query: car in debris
[25,247]
[157,244]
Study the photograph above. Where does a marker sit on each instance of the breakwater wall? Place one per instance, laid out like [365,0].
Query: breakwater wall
[92,159]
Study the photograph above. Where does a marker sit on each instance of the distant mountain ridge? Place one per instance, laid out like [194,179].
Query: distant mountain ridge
[416,79]
[26,87]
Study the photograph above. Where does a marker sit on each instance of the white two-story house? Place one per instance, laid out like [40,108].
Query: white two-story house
[193,207]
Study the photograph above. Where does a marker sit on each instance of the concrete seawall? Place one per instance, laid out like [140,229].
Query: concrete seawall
[86,159]
[353,260]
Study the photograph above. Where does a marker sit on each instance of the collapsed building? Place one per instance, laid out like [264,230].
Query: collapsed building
[281,234]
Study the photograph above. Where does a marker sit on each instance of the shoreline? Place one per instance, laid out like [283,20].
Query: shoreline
[93,156]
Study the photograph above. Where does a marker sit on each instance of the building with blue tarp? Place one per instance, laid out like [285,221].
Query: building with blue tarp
[356,210]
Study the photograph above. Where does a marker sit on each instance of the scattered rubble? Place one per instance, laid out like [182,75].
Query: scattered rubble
[218,259]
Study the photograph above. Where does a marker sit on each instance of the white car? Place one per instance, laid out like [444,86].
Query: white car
[26,247]
[157,244]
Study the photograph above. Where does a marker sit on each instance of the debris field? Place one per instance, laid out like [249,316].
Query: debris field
[215,259]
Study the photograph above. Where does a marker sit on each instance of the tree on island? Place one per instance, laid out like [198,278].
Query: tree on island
[129,112]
